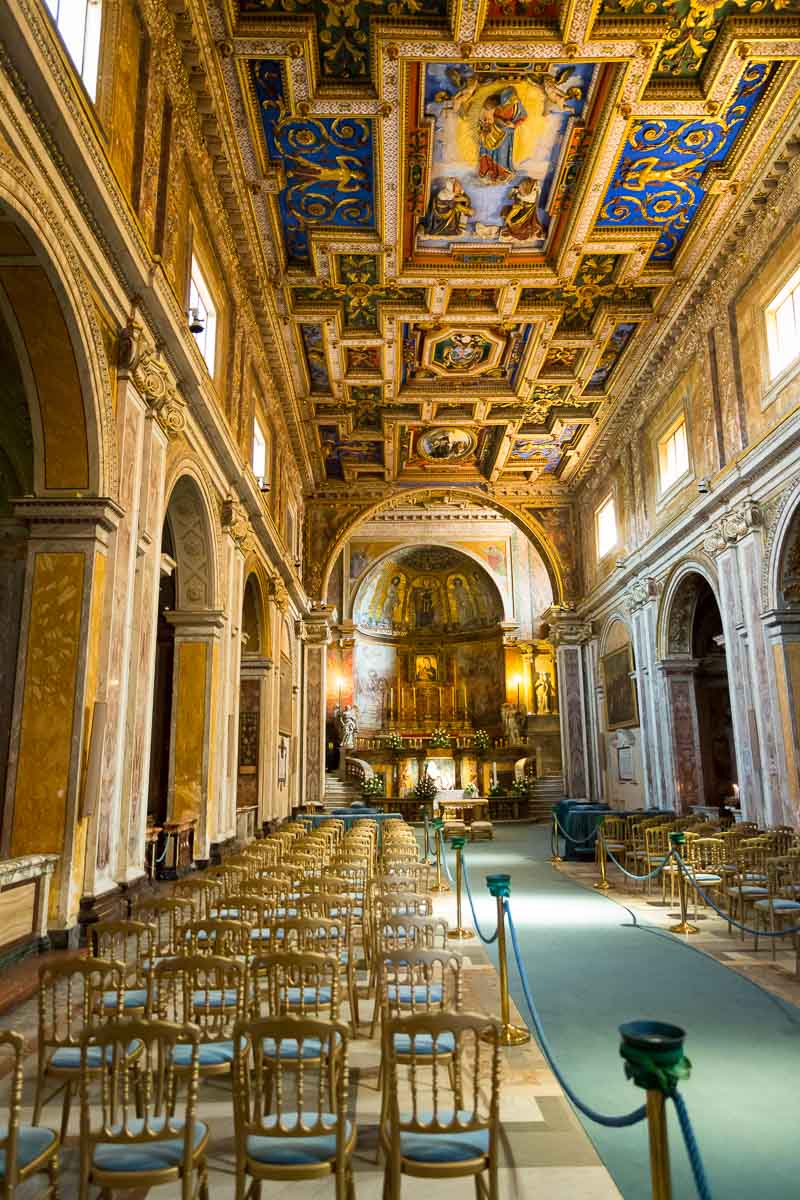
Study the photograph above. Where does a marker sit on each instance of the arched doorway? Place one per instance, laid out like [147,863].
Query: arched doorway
[180,796]
[699,697]
[256,665]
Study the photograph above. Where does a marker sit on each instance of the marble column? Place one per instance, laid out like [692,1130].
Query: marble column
[568,635]
[59,668]
[734,540]
[686,757]
[316,636]
[782,628]
[191,768]
[594,712]
[656,747]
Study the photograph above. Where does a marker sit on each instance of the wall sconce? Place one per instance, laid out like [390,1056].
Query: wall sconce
[196,322]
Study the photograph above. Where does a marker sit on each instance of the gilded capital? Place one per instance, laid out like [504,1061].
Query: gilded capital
[235,521]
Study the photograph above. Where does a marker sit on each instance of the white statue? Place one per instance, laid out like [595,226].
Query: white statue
[544,694]
[346,725]
[513,723]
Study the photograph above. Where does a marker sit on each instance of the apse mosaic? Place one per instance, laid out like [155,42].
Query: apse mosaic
[327,163]
[660,180]
[498,144]
[432,589]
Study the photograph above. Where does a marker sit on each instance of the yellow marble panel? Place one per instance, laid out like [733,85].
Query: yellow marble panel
[787,674]
[51,667]
[90,695]
[190,710]
[17,910]
[49,347]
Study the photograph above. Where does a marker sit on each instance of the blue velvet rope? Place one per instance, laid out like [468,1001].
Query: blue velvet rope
[692,1148]
[481,934]
[631,1118]
[575,841]
[650,875]
[724,915]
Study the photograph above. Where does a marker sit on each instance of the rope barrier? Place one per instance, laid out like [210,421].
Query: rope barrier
[650,875]
[692,1149]
[479,931]
[575,841]
[631,1118]
[725,916]
[447,872]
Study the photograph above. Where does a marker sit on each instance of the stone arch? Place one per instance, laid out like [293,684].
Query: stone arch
[528,524]
[615,633]
[188,515]
[783,563]
[679,604]
[46,301]
[255,611]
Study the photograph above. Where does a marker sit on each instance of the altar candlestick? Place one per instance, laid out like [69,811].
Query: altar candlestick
[465,700]
[494,774]
[517,693]
[391,702]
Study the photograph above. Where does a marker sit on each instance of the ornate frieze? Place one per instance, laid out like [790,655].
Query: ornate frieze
[236,523]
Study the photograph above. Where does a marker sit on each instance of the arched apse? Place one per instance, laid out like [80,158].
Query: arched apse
[328,538]
[255,613]
[48,310]
[188,515]
[463,593]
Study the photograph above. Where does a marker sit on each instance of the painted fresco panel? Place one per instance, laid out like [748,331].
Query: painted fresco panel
[374,671]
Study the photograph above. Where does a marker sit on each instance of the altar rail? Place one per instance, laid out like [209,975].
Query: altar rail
[423,742]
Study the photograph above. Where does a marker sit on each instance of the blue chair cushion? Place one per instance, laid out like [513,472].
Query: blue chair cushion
[69,1057]
[778,904]
[453,1146]
[225,914]
[147,1156]
[707,877]
[422,995]
[32,1141]
[131,998]
[309,995]
[211,1054]
[264,934]
[215,998]
[423,1043]
[296,1150]
[748,890]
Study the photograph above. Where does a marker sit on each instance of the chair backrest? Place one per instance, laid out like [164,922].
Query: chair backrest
[614,828]
[303,983]
[420,981]
[11,1050]
[263,1104]
[70,998]
[442,1098]
[129,942]
[423,933]
[201,989]
[320,935]
[224,938]
[207,893]
[165,915]
[139,1102]
[706,852]
[404,904]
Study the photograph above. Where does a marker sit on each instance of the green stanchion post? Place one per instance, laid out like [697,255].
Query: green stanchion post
[460,932]
[678,840]
[654,1060]
[510,1035]
[441,884]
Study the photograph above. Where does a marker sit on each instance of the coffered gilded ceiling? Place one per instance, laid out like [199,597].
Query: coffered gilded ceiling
[476,214]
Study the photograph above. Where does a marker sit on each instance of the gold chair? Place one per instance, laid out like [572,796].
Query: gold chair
[206,893]
[705,861]
[25,1150]
[749,881]
[206,991]
[296,1128]
[452,1130]
[138,1136]
[132,943]
[324,935]
[165,915]
[781,903]
[70,998]
[225,939]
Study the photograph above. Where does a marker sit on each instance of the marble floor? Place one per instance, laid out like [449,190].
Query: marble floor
[544,1149]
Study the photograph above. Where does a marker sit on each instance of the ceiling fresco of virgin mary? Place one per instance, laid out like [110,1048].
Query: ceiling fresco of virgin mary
[482,216]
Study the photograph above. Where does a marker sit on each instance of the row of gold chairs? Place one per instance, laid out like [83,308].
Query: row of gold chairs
[241,974]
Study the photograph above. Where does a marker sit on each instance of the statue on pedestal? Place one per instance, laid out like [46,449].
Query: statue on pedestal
[544,694]
[513,719]
[346,725]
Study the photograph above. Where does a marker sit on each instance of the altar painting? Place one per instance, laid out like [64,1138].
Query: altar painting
[500,138]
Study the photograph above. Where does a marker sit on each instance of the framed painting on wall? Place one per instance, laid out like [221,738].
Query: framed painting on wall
[622,709]
[426,668]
